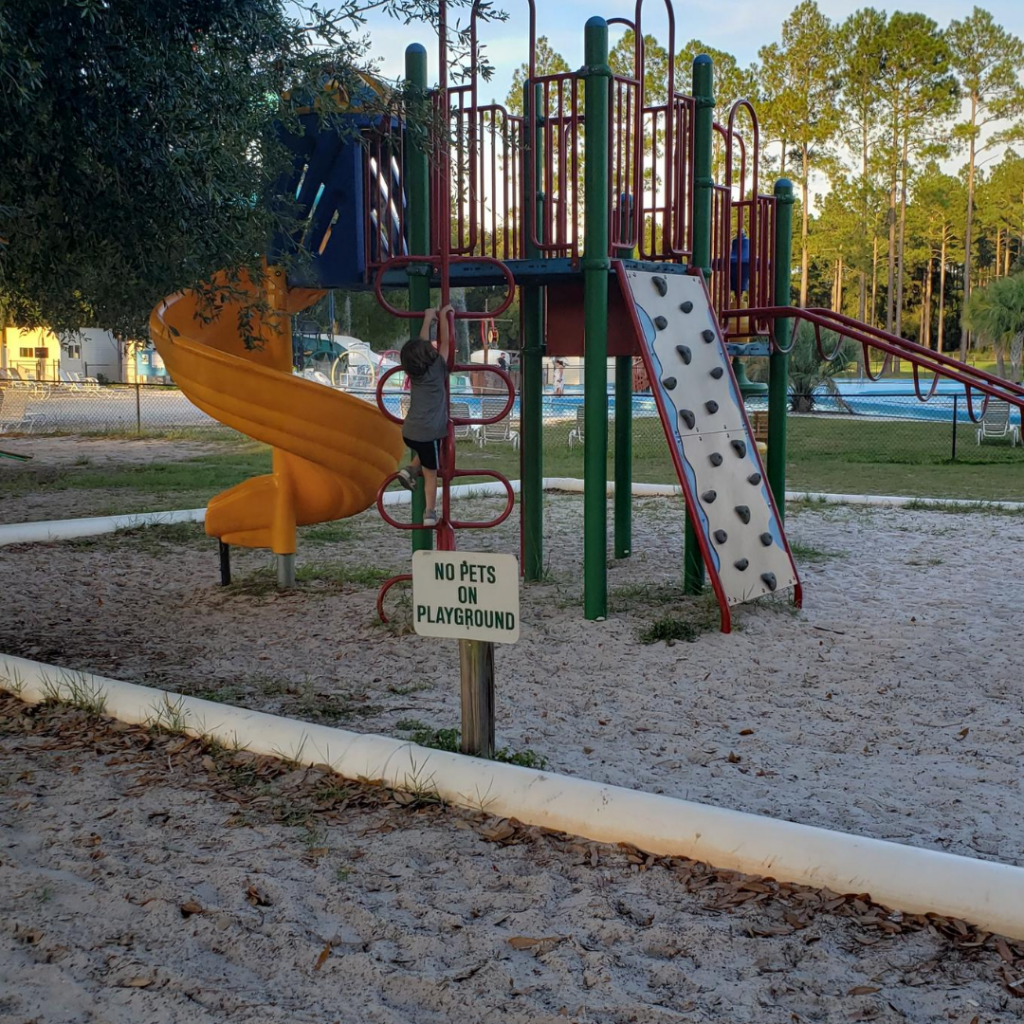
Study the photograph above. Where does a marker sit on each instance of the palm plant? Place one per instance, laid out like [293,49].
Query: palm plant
[996,315]
[810,376]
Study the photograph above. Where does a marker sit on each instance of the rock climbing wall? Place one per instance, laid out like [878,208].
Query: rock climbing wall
[712,446]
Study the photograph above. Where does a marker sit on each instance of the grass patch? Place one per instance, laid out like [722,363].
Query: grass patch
[219,435]
[309,703]
[671,628]
[74,690]
[326,533]
[859,455]
[809,553]
[687,620]
[156,539]
[404,691]
[450,740]
[328,575]
[966,508]
[340,576]
[203,475]
[628,598]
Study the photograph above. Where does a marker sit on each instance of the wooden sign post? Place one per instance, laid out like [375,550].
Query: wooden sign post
[473,598]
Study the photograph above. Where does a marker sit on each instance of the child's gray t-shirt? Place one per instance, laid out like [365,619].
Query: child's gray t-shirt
[428,405]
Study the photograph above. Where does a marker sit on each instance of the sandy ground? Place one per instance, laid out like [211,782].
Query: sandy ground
[143,880]
[890,706]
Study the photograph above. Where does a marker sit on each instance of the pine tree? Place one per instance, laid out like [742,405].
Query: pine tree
[547,61]
[918,93]
[862,46]
[987,60]
[804,110]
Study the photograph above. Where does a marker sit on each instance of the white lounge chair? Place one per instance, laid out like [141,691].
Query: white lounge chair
[497,432]
[71,384]
[38,388]
[463,432]
[995,423]
[576,434]
[87,383]
[14,414]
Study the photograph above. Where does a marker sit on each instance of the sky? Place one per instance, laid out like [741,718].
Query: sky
[738,26]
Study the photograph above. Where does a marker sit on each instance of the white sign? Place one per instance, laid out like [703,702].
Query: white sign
[466,596]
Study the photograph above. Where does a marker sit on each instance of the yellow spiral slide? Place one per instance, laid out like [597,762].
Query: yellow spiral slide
[332,451]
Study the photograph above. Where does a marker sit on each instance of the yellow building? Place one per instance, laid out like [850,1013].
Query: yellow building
[33,352]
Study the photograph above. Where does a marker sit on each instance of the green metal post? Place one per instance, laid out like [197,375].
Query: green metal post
[703,183]
[623,456]
[417,217]
[624,418]
[596,266]
[778,362]
[531,394]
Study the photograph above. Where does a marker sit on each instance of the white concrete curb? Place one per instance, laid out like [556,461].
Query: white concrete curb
[986,893]
[67,529]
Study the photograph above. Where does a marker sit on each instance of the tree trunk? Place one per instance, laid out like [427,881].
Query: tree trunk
[940,340]
[891,290]
[965,338]
[999,249]
[838,307]
[1000,359]
[804,189]
[862,303]
[901,245]
[926,306]
[862,286]
[458,296]
[874,281]
[1006,256]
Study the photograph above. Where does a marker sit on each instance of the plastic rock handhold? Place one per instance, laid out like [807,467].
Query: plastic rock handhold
[687,306]
[754,478]
[708,335]
[688,418]
[743,511]
[767,540]
[668,383]
[720,536]
[660,322]
[740,447]
[715,458]
[717,372]
[660,284]
[711,406]
[709,496]
[769,580]
[684,353]
[741,564]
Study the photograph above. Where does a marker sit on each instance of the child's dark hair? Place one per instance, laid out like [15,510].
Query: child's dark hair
[417,356]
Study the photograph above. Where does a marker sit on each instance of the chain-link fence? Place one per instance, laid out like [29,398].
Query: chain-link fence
[883,441]
[60,407]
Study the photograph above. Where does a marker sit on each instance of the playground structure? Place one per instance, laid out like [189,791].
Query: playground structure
[599,204]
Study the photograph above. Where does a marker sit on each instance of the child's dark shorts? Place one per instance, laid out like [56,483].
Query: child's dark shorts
[428,451]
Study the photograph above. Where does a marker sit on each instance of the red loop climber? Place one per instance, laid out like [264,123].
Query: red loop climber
[447,472]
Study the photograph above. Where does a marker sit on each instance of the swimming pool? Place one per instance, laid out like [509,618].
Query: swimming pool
[883,399]
[896,399]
